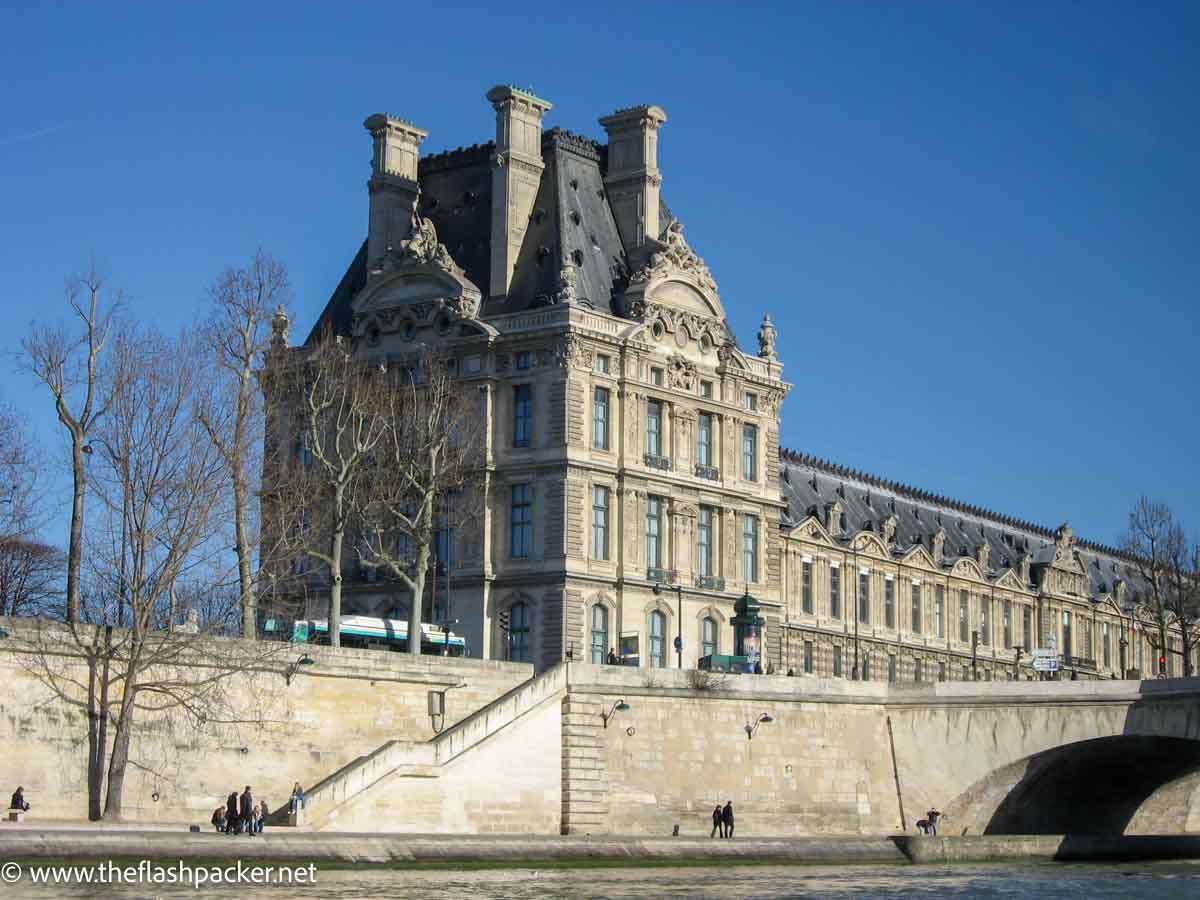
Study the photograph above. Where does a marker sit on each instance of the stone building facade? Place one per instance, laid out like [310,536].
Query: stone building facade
[635,485]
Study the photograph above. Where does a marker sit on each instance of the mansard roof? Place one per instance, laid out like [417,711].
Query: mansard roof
[810,484]
[572,222]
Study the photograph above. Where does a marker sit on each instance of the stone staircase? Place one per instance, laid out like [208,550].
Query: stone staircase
[423,759]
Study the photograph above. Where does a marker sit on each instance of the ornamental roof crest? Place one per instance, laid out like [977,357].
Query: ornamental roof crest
[675,256]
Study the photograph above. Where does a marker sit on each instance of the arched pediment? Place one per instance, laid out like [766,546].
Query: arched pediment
[866,542]
[415,284]
[682,292]
[965,567]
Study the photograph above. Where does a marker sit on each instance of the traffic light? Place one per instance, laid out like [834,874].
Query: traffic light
[503,619]
[1162,664]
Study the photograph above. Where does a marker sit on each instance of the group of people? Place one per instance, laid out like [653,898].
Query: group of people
[241,814]
[18,800]
[723,820]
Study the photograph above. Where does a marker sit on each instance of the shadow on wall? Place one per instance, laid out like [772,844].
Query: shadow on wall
[1093,787]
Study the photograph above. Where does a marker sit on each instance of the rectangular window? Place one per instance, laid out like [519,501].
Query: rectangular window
[1067,649]
[706,390]
[751,401]
[1027,628]
[522,415]
[600,418]
[837,662]
[704,439]
[1008,641]
[600,522]
[963,616]
[656,377]
[1104,644]
[891,668]
[808,657]
[654,510]
[806,599]
[966,673]
[602,363]
[864,597]
[521,521]
[889,603]
[835,592]
[915,615]
[939,611]
[750,452]
[750,547]
[654,427]
[704,540]
[985,621]
[866,668]
[918,671]
[524,359]
[941,671]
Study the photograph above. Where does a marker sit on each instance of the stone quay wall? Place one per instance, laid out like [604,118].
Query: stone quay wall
[344,706]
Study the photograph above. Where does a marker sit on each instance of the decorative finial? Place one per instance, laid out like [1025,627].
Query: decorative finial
[279,328]
[766,339]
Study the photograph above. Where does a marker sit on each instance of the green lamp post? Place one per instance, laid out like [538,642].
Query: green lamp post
[747,630]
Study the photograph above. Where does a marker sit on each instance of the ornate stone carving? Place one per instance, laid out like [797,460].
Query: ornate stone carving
[567,292]
[421,248]
[681,373]
[570,352]
[770,401]
[280,324]
[675,256]
[766,338]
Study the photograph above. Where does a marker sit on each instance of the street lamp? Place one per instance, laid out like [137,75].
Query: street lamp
[750,729]
[295,667]
[974,655]
[678,589]
[619,706]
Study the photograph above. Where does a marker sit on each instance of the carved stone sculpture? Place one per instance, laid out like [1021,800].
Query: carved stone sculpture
[766,338]
[675,256]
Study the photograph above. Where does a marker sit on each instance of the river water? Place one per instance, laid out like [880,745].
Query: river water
[1048,881]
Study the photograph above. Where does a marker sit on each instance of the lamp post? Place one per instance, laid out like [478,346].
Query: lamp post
[974,655]
[764,718]
[1018,649]
[678,589]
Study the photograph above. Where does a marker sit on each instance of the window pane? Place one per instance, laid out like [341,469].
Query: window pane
[750,547]
[518,634]
[599,634]
[750,452]
[835,593]
[704,540]
[522,415]
[658,647]
[653,530]
[708,633]
[916,609]
[864,597]
[889,603]
[521,536]
[654,428]
[600,419]
[704,440]
[806,599]
[599,523]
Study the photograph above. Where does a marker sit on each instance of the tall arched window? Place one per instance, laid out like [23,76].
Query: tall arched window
[658,644]
[599,634]
[708,637]
[518,633]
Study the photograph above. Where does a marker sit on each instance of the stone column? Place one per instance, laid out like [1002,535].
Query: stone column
[516,174]
[632,179]
[393,184]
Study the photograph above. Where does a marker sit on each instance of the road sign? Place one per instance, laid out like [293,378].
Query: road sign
[1044,653]
[1045,664]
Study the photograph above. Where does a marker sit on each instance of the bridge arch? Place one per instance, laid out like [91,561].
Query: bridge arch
[1107,785]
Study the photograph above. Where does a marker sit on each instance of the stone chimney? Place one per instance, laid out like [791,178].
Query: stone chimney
[632,180]
[393,186]
[516,175]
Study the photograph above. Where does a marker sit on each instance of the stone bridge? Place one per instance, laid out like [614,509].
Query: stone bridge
[1083,757]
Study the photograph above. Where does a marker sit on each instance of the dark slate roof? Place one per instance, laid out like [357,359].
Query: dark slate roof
[809,483]
[571,221]
[336,314]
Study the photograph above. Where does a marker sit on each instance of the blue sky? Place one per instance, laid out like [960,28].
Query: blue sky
[976,228]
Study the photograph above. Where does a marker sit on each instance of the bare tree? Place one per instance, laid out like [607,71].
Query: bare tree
[31,577]
[1160,552]
[68,363]
[236,333]
[430,457]
[19,470]
[334,407]
[154,544]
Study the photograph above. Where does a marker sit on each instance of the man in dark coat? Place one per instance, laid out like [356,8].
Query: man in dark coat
[231,813]
[718,825]
[18,800]
[248,811]
[727,818]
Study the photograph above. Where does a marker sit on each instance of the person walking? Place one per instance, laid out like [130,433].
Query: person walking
[612,658]
[263,813]
[932,818]
[247,811]
[231,813]
[727,818]
[718,824]
[297,802]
